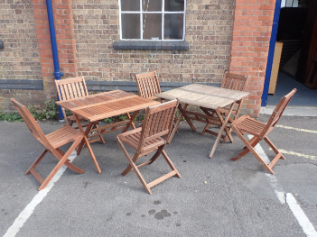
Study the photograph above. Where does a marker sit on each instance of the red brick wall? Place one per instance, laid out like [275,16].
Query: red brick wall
[252,28]
[19,59]
[85,44]
[208,31]
[64,32]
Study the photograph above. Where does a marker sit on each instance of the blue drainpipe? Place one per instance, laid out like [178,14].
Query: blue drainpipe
[57,72]
[271,52]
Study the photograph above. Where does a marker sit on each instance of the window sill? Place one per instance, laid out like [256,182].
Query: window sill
[146,45]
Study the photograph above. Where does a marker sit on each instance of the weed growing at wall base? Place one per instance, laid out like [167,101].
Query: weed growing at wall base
[11,117]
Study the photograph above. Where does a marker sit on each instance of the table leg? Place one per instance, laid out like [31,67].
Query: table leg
[227,130]
[131,121]
[224,124]
[179,119]
[183,111]
[85,140]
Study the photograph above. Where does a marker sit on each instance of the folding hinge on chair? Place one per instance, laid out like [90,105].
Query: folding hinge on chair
[152,136]
[259,130]
[51,143]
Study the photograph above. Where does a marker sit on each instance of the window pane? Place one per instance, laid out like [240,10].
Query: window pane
[173,26]
[174,5]
[152,25]
[152,5]
[130,26]
[130,5]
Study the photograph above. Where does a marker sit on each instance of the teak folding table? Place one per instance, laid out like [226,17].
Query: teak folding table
[101,106]
[208,97]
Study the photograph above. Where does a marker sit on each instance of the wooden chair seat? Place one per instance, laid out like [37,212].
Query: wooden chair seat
[250,125]
[133,139]
[62,136]
[51,143]
[260,131]
[234,82]
[152,136]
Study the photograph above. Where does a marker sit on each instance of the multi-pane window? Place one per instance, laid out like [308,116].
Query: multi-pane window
[152,19]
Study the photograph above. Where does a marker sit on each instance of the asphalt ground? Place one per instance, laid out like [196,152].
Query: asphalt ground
[214,197]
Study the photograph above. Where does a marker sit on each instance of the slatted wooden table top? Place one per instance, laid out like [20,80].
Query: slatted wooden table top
[204,96]
[106,104]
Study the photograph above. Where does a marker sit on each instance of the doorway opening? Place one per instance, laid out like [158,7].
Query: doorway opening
[294,64]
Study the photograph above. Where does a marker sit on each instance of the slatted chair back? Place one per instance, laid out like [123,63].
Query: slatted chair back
[158,122]
[31,123]
[278,112]
[234,81]
[148,84]
[71,88]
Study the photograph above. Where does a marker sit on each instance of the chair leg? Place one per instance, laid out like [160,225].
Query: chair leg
[138,173]
[62,160]
[250,147]
[68,164]
[252,142]
[268,141]
[169,162]
[36,162]
[156,155]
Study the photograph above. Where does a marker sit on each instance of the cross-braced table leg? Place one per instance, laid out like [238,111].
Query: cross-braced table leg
[135,113]
[178,121]
[223,127]
[226,129]
[85,141]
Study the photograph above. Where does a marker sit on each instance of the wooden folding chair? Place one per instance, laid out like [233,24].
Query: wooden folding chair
[152,136]
[51,142]
[234,82]
[148,84]
[259,130]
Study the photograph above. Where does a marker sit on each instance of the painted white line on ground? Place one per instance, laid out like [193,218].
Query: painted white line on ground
[297,154]
[299,214]
[308,111]
[297,129]
[273,181]
[28,210]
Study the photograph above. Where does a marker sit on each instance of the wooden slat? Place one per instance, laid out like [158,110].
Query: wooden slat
[105,105]
[161,179]
[97,99]
[204,96]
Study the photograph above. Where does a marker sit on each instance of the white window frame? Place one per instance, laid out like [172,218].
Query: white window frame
[162,12]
